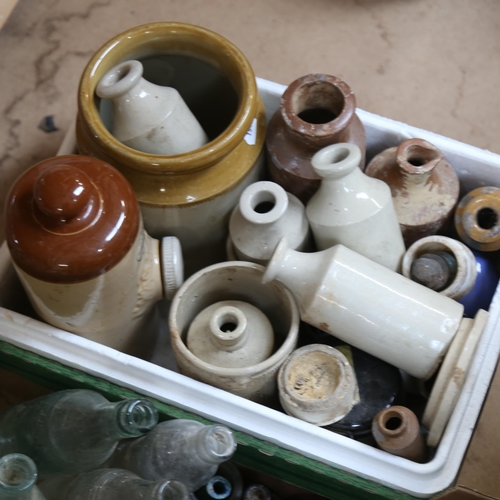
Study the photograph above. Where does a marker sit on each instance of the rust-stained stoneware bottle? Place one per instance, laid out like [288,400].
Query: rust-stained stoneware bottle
[424,186]
[191,194]
[75,235]
[397,431]
[315,111]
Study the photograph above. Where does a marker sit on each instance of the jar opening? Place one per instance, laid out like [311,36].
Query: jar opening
[418,156]
[487,218]
[318,102]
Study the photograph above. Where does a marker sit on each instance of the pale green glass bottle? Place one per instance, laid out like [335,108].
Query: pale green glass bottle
[72,431]
[18,476]
[111,484]
[181,450]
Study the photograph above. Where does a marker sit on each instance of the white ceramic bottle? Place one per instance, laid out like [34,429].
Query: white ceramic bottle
[231,334]
[265,214]
[149,117]
[370,307]
[353,209]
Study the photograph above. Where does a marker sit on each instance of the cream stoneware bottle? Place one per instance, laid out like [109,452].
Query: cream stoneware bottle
[353,209]
[148,117]
[75,235]
[265,214]
[231,334]
[370,307]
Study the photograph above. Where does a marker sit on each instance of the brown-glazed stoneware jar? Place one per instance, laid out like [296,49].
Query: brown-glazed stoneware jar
[315,111]
[424,186]
[188,195]
[75,235]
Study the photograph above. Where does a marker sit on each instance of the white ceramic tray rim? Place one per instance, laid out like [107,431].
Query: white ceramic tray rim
[475,167]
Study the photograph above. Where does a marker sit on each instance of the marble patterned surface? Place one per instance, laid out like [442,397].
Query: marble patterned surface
[432,64]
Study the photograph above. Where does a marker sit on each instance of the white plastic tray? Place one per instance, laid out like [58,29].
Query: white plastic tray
[475,167]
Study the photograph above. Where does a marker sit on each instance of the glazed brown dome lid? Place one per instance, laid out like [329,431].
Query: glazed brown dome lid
[70,219]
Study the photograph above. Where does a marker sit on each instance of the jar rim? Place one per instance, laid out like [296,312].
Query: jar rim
[214,45]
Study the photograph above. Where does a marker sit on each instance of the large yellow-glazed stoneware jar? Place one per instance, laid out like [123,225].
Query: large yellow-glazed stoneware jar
[188,195]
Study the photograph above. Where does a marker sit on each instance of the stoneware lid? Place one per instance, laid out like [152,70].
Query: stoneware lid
[70,219]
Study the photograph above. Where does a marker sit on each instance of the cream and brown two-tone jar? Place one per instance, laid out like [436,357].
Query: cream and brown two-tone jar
[189,195]
[75,235]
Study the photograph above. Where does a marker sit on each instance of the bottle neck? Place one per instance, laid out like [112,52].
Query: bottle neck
[128,418]
[18,475]
[228,328]
[214,444]
[296,270]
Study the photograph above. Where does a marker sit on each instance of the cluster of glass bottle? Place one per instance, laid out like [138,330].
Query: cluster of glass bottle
[73,441]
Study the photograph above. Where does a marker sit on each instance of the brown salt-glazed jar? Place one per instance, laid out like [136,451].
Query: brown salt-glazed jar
[397,430]
[75,235]
[188,195]
[315,111]
[424,186]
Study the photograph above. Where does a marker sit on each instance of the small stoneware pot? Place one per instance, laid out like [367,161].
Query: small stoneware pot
[315,111]
[317,384]
[148,117]
[235,281]
[353,209]
[442,264]
[477,219]
[369,306]
[179,194]
[265,214]
[397,431]
[424,186]
[75,235]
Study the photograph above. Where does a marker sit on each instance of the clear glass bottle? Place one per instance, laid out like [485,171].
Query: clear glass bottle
[72,431]
[181,450]
[111,484]
[18,476]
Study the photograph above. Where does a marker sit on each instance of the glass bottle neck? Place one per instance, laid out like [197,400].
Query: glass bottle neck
[129,418]
[214,444]
[18,476]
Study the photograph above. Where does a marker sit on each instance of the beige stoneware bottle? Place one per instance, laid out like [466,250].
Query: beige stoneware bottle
[353,209]
[265,214]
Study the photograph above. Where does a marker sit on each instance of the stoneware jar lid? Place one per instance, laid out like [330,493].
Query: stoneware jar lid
[70,219]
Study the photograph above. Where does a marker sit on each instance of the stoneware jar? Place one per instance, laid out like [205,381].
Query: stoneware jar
[235,281]
[368,306]
[442,264]
[265,214]
[231,334]
[317,384]
[477,219]
[353,209]
[315,111]
[397,431]
[148,117]
[180,194]
[424,186]
[75,235]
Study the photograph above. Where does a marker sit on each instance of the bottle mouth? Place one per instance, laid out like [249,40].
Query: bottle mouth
[336,161]
[18,473]
[218,488]
[219,443]
[137,416]
[172,490]
[263,202]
